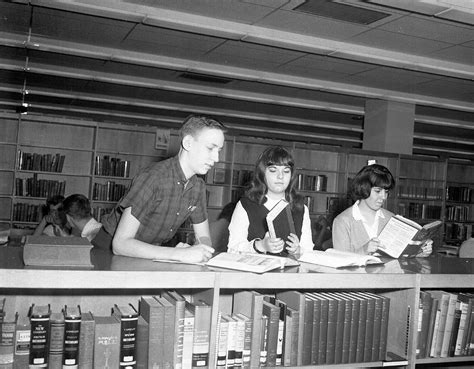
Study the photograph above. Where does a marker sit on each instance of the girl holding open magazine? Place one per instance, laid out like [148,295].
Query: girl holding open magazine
[274,179]
[356,229]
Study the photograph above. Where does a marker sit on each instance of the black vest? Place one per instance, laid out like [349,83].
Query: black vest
[258,223]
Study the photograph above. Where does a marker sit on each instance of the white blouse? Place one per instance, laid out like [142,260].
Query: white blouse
[239,225]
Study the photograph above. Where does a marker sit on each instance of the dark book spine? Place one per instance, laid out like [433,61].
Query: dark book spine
[128,337]
[39,349]
[71,341]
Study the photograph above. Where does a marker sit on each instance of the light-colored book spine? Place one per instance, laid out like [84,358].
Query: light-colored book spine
[188,338]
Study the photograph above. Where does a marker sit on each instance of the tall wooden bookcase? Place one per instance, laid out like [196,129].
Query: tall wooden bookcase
[427,189]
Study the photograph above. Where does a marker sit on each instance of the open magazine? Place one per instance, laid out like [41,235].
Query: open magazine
[399,233]
[248,262]
[338,259]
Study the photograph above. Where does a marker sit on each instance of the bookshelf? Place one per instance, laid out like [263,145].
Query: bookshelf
[30,171]
[459,206]
[122,280]
[427,188]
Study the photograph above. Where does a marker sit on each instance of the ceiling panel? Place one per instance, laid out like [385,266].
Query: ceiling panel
[418,26]
[14,17]
[307,24]
[261,67]
[398,42]
[77,27]
[458,54]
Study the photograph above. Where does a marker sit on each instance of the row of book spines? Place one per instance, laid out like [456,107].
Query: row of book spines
[179,331]
[420,192]
[41,162]
[24,212]
[458,213]
[458,231]
[115,167]
[109,191]
[62,340]
[445,324]
[310,182]
[98,212]
[420,211]
[328,331]
[34,187]
[459,193]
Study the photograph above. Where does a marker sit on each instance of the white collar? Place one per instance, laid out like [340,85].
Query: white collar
[357,215]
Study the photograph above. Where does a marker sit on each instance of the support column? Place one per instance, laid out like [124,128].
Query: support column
[389,126]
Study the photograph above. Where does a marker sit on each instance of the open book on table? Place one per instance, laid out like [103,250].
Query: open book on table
[256,263]
[397,236]
[338,259]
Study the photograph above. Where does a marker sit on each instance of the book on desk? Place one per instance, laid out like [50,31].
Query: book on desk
[57,251]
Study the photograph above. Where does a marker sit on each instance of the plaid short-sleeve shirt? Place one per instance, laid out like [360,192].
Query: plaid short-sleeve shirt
[161,200]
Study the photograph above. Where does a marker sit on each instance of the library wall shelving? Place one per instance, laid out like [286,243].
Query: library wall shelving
[101,158]
[45,156]
[117,280]
[459,205]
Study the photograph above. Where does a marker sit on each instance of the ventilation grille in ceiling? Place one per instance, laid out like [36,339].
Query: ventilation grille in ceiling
[340,11]
[204,78]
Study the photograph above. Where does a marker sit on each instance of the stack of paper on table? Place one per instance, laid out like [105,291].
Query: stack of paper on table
[257,263]
[338,259]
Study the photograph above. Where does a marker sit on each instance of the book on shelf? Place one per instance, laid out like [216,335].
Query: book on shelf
[107,342]
[249,262]
[247,338]
[250,303]
[239,341]
[231,339]
[168,331]
[179,303]
[21,352]
[432,322]
[8,322]
[280,220]
[40,334]
[296,300]
[72,331]
[154,313]
[448,327]
[338,259]
[454,331]
[438,334]
[188,338]
[399,232]
[424,310]
[272,312]
[263,341]
[56,340]
[57,251]
[86,341]
[143,329]
[466,301]
[222,336]
[128,317]
[290,350]
[202,333]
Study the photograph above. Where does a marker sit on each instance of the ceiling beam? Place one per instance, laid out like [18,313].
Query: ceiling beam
[189,22]
[185,65]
